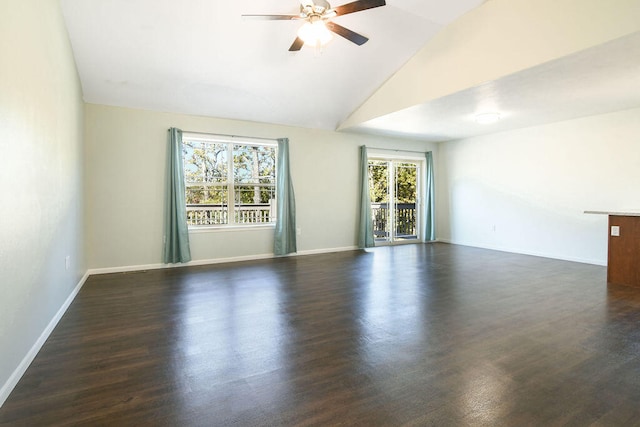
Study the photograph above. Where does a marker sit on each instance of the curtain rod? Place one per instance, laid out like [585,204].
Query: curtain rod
[397,150]
[228,136]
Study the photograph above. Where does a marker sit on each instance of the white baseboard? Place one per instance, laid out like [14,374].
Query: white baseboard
[8,386]
[326,251]
[143,267]
[532,253]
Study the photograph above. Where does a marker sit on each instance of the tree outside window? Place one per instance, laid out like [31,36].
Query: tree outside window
[229,183]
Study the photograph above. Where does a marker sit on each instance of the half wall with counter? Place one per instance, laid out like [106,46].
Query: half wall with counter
[623,260]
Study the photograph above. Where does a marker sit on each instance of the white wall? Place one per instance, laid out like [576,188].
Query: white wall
[534,184]
[41,118]
[125,160]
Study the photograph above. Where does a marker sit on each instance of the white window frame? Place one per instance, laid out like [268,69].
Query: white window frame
[230,183]
[409,157]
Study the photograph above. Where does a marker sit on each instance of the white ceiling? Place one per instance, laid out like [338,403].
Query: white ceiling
[200,57]
[597,80]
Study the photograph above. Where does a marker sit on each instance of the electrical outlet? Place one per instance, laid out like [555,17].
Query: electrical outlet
[67,262]
[298,231]
[615,230]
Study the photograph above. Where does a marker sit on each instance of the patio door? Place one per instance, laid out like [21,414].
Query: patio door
[394,186]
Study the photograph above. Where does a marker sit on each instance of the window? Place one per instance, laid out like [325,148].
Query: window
[228,183]
[394,188]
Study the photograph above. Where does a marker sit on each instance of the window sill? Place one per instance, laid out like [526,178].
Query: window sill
[224,228]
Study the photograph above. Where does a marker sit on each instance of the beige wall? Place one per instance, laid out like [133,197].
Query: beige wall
[526,190]
[497,39]
[125,160]
[41,117]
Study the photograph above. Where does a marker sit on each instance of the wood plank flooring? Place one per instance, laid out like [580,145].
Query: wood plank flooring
[414,335]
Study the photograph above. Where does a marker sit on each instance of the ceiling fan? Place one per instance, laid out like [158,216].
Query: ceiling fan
[317,29]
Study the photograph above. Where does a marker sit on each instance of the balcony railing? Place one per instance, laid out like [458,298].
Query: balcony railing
[218,214]
[405,218]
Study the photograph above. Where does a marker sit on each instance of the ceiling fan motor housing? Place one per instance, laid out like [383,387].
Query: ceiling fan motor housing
[318,8]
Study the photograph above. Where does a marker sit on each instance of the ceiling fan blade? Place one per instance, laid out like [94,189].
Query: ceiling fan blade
[297,45]
[357,6]
[273,17]
[346,33]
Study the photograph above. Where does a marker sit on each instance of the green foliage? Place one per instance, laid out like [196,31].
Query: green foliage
[254,165]
[378,181]
[206,167]
[405,181]
[406,185]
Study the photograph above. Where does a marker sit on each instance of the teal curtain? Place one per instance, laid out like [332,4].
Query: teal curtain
[365,228]
[285,233]
[176,232]
[429,206]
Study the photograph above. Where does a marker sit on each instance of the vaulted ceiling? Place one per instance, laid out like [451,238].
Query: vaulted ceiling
[429,66]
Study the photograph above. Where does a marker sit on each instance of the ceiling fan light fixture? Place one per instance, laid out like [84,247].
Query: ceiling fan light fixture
[315,33]
[318,28]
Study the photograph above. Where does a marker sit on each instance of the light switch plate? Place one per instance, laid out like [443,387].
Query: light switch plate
[615,230]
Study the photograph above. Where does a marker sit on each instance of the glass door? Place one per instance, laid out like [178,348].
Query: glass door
[393,188]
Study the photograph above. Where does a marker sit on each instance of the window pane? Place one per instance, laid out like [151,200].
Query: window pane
[406,181]
[207,205]
[378,181]
[204,162]
[379,193]
[254,204]
[254,164]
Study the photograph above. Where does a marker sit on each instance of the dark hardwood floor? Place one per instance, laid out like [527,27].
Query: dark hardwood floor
[428,334]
